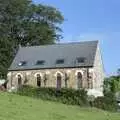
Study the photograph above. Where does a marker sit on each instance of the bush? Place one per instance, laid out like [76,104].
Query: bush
[66,96]
[108,102]
[91,100]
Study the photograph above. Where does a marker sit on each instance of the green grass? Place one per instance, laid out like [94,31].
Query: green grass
[14,107]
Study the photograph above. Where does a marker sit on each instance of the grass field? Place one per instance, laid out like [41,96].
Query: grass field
[14,107]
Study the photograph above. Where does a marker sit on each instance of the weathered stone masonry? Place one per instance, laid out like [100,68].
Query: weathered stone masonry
[51,81]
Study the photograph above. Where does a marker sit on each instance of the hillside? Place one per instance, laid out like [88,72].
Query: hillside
[14,107]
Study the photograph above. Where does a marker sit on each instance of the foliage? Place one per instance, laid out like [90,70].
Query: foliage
[112,84]
[108,102]
[118,72]
[91,100]
[66,96]
[6,51]
[23,22]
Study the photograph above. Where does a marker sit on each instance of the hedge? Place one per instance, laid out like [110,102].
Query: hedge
[66,96]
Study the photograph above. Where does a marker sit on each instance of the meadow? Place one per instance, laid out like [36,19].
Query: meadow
[15,107]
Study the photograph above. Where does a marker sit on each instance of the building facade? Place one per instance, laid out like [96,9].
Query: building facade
[70,65]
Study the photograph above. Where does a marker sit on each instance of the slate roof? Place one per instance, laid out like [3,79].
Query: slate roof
[50,53]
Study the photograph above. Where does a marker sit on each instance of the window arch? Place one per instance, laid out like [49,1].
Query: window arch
[59,80]
[38,80]
[90,83]
[79,80]
[45,79]
[66,79]
[19,77]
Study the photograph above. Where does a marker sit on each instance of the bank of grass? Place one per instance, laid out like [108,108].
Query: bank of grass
[15,107]
[70,97]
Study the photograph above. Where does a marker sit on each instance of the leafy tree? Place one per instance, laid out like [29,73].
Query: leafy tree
[118,72]
[112,83]
[23,22]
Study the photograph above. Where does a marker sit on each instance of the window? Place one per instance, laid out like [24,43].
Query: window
[79,80]
[19,81]
[26,79]
[90,85]
[22,63]
[59,79]
[80,60]
[66,80]
[38,80]
[60,61]
[40,62]
[45,79]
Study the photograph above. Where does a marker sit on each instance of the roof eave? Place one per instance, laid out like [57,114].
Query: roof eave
[50,68]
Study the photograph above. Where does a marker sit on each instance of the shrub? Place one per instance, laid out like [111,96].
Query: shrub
[108,102]
[64,95]
[91,100]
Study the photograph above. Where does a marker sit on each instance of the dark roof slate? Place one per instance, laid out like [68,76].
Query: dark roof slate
[50,53]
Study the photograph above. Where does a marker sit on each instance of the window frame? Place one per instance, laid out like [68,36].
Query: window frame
[80,59]
[40,62]
[60,61]
[38,81]
[59,81]
[79,80]
[22,63]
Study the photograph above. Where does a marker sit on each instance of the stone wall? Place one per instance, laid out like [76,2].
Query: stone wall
[98,71]
[29,77]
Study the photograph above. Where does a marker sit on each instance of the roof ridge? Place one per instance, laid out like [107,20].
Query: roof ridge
[67,43]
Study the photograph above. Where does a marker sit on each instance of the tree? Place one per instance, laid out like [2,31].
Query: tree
[118,72]
[23,22]
[112,84]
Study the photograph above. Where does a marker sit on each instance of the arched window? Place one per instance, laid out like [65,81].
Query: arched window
[79,80]
[45,79]
[19,80]
[66,80]
[38,80]
[59,79]
[90,84]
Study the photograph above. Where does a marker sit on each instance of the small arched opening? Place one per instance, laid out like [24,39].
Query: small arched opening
[79,80]
[38,80]
[19,80]
[59,80]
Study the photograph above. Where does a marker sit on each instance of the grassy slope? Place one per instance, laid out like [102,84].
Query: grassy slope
[14,107]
